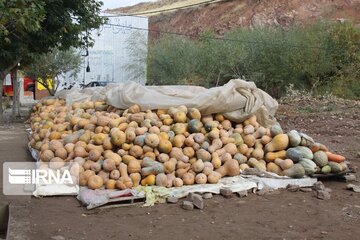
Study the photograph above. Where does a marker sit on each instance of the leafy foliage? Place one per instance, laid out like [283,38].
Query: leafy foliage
[20,16]
[318,58]
[171,59]
[52,65]
[346,80]
[31,27]
[137,50]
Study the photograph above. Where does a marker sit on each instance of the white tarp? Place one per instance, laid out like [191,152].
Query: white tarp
[50,189]
[235,184]
[237,100]
[277,183]
[154,194]
[241,183]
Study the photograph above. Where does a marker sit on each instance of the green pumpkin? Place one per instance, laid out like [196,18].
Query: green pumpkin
[296,171]
[238,139]
[309,166]
[294,154]
[320,158]
[305,151]
[294,138]
[335,167]
[275,130]
[195,126]
[210,125]
[326,169]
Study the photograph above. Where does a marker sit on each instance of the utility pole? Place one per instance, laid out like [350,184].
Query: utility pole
[2,77]
[16,98]
[15,92]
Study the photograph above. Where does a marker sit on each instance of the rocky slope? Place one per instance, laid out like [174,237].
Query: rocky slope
[222,16]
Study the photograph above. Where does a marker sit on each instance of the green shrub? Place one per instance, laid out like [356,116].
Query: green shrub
[319,57]
[171,60]
[346,80]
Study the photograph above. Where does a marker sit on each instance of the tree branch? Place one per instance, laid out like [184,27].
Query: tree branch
[4,72]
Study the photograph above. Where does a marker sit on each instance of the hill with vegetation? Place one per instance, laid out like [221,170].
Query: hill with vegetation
[222,16]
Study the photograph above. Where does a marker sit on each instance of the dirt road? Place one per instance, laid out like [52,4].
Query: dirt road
[13,148]
[280,215]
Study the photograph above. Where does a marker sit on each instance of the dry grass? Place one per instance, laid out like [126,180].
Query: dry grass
[306,102]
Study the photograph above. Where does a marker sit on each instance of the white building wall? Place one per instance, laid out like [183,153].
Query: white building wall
[109,57]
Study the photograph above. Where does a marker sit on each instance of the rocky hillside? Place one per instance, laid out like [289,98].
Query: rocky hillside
[222,16]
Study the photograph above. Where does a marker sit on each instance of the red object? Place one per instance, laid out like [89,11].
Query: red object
[335,157]
[29,85]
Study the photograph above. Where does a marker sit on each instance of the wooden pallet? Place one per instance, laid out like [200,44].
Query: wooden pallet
[333,176]
[124,201]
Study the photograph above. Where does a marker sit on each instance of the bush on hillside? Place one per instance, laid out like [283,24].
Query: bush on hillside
[321,57]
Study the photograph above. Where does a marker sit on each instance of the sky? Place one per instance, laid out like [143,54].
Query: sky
[121,3]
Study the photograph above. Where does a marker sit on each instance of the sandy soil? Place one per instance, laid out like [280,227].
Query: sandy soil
[280,215]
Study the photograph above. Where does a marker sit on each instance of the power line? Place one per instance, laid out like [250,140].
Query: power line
[219,38]
[166,10]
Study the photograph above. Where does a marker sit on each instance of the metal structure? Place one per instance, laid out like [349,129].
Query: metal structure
[112,59]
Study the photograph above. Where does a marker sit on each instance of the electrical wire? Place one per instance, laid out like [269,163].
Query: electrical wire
[218,38]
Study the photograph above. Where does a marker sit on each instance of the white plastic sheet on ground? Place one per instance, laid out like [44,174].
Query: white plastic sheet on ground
[235,184]
[276,183]
[96,198]
[50,189]
[237,100]
[55,190]
[154,194]
[240,183]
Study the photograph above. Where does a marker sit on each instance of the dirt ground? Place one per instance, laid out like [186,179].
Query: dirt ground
[280,215]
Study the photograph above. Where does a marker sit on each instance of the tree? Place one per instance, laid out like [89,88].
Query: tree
[17,19]
[47,68]
[137,49]
[31,27]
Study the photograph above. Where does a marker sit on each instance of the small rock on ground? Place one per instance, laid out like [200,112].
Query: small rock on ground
[198,201]
[318,186]
[350,178]
[190,196]
[306,189]
[207,195]
[242,194]
[323,195]
[187,205]
[172,199]
[292,188]
[353,187]
[226,192]
[264,191]
[353,168]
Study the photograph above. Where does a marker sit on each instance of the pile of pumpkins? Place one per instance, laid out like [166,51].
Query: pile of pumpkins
[116,148]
